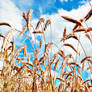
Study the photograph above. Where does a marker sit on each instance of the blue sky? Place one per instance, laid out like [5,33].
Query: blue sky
[11,12]
[48,6]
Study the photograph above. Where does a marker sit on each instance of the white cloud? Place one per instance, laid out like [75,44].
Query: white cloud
[78,14]
[23,3]
[64,1]
[11,14]
[83,2]
[58,24]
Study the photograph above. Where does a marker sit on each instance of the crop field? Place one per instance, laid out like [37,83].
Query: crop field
[35,75]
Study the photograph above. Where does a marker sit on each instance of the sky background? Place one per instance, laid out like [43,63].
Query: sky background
[11,12]
[48,6]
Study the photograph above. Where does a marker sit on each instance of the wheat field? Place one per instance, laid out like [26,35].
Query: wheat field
[31,77]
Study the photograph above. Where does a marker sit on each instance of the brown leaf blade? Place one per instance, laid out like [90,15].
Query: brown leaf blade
[64,33]
[6,24]
[88,15]
[71,20]
[47,23]
[84,59]
[69,36]
[24,16]
[69,45]
[56,64]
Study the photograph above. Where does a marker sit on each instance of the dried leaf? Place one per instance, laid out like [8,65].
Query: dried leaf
[83,30]
[87,81]
[53,58]
[2,36]
[69,45]
[56,64]
[39,23]
[87,35]
[65,61]
[40,44]
[24,16]
[89,67]
[89,29]
[6,24]
[13,46]
[75,27]
[19,59]
[24,50]
[38,32]
[18,50]
[60,79]
[69,74]
[80,30]
[69,36]
[42,19]
[74,63]
[47,23]
[84,59]
[88,15]
[28,60]
[72,20]
[61,53]
[64,33]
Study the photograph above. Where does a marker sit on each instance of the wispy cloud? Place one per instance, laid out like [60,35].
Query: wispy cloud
[64,0]
[24,4]
[11,14]
[83,2]
[40,6]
